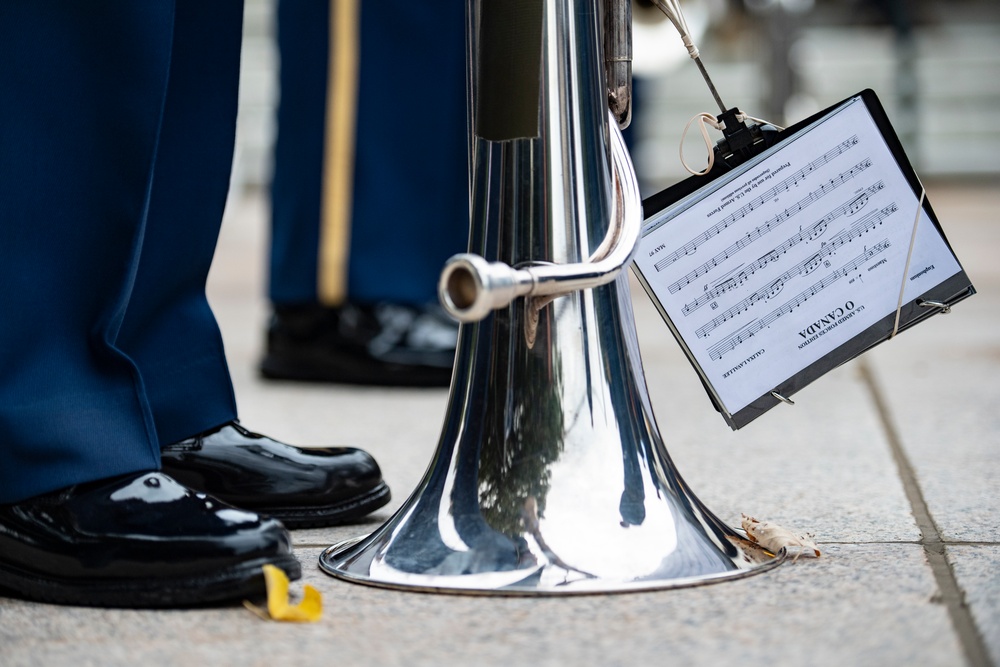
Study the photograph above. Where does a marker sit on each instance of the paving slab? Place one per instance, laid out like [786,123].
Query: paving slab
[977,568]
[940,380]
[950,431]
[859,604]
[939,386]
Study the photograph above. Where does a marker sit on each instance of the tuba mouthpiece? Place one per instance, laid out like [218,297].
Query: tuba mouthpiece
[471,288]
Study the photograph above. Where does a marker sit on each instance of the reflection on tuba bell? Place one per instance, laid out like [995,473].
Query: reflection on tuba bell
[550,475]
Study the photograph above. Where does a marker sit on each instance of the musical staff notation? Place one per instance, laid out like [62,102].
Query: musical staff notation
[734,340]
[803,268]
[810,233]
[772,224]
[783,186]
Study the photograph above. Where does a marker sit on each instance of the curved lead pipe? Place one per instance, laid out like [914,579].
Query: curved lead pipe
[471,287]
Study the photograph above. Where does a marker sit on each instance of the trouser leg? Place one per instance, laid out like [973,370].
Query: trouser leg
[409,199]
[169,329]
[411,183]
[297,185]
[117,134]
[83,93]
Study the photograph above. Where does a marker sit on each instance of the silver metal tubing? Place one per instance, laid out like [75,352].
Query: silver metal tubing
[471,287]
[618,58]
[551,476]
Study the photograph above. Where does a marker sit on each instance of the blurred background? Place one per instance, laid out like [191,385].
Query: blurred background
[934,64]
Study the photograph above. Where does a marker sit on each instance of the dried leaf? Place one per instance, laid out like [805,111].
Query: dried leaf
[279,608]
[774,538]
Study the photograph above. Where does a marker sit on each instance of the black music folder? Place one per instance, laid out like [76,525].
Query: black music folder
[777,271]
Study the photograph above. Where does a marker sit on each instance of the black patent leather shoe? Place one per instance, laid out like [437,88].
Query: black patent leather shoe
[382,345]
[303,487]
[140,540]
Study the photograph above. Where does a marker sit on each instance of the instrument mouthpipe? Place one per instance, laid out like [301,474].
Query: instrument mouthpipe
[471,287]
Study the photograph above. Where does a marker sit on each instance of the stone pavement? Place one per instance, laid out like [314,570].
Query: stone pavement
[891,461]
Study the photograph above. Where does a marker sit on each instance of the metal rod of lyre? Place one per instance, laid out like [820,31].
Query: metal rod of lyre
[711,86]
[672,10]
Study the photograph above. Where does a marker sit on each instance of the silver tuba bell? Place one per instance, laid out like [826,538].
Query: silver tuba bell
[550,475]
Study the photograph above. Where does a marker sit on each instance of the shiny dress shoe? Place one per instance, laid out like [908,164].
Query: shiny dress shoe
[301,487]
[139,540]
[383,345]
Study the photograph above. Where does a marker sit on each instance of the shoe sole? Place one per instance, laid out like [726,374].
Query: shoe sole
[241,581]
[329,515]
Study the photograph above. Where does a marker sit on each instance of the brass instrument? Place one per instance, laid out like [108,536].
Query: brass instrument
[550,475]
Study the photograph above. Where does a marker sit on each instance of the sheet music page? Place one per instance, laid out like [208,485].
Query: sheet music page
[789,256]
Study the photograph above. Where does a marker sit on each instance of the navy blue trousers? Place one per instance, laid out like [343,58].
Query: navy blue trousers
[410,203]
[117,121]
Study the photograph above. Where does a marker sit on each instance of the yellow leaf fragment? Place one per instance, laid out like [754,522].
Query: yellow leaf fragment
[775,538]
[279,608]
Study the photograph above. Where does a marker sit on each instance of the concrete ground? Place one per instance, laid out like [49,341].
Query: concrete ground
[891,461]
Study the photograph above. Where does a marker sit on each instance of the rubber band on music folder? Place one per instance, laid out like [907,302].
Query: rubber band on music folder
[909,256]
[702,118]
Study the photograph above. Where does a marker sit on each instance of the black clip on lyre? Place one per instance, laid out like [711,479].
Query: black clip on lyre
[740,141]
